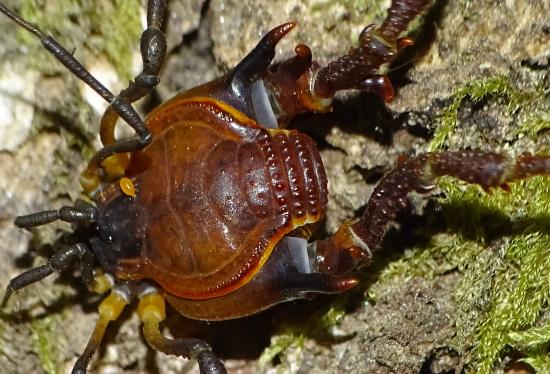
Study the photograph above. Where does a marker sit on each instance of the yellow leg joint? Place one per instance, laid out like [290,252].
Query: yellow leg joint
[151,311]
[152,308]
[115,166]
[89,180]
[111,307]
[102,282]
[109,310]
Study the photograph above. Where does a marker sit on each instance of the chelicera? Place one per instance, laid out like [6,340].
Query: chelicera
[210,207]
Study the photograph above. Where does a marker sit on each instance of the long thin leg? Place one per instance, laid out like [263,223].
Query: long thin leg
[356,240]
[82,212]
[124,109]
[119,104]
[153,53]
[151,311]
[57,263]
[109,310]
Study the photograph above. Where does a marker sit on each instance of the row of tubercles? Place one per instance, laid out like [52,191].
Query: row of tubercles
[417,174]
[489,170]
[275,172]
[303,184]
[400,15]
[314,174]
[388,198]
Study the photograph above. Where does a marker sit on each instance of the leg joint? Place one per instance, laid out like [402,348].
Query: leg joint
[153,49]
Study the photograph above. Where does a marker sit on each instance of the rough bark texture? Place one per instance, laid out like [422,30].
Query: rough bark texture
[476,78]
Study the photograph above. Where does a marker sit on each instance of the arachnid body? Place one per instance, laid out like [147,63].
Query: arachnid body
[119,240]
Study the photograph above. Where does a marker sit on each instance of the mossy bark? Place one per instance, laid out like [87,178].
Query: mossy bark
[463,282]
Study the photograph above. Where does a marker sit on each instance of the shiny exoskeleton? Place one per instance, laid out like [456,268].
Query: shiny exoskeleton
[212,180]
[210,207]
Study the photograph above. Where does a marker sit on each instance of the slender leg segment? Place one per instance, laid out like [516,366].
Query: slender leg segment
[153,53]
[153,45]
[57,263]
[122,107]
[355,241]
[82,212]
[109,310]
[151,311]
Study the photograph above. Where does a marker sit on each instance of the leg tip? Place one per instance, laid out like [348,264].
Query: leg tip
[6,298]
[209,363]
[78,370]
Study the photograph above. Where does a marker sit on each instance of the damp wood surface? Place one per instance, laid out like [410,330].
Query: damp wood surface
[463,283]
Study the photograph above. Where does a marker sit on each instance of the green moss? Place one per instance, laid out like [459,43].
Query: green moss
[540,362]
[519,296]
[279,344]
[315,322]
[334,315]
[528,101]
[500,246]
[533,338]
[477,90]
[534,341]
[109,28]
[498,241]
[535,123]
[44,343]
[121,25]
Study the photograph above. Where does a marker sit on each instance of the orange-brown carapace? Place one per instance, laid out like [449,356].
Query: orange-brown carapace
[217,193]
[211,204]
